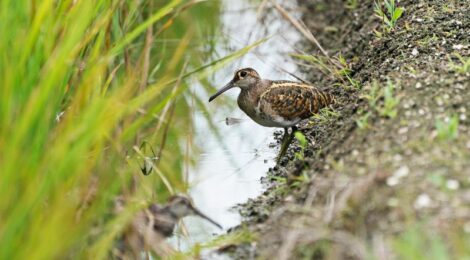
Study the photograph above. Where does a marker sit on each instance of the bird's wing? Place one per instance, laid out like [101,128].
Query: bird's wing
[292,100]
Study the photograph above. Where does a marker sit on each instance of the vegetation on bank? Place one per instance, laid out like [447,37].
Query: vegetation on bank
[385,176]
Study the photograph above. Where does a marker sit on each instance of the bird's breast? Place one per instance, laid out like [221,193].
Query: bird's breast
[247,103]
[164,224]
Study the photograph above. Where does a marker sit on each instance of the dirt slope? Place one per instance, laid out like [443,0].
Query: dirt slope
[388,175]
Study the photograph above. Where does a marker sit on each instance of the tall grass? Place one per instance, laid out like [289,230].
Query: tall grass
[82,85]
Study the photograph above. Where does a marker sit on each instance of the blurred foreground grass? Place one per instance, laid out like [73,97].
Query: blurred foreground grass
[83,85]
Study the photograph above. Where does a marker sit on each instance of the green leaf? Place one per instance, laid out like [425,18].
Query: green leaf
[301,138]
[397,14]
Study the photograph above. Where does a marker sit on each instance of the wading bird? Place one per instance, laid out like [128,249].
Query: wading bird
[150,226]
[276,103]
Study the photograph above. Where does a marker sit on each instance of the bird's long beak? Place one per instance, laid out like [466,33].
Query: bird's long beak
[222,90]
[202,215]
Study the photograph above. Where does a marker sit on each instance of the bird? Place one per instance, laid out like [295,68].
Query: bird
[276,103]
[150,227]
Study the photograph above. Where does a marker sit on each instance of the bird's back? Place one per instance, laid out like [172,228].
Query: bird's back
[288,102]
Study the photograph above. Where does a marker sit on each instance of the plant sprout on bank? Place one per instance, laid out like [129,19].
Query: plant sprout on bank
[390,15]
[303,144]
[462,65]
[447,130]
[390,101]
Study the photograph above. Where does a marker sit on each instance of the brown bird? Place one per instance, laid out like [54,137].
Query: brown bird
[276,103]
[150,226]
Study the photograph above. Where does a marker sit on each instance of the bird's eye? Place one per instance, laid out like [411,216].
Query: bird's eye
[243,74]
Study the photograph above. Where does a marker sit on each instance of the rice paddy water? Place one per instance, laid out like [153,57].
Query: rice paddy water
[229,169]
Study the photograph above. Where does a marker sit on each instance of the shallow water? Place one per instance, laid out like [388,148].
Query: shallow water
[228,171]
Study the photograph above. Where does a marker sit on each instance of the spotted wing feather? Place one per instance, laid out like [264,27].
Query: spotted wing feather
[292,100]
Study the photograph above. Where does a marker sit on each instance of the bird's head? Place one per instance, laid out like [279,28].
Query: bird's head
[181,206]
[243,78]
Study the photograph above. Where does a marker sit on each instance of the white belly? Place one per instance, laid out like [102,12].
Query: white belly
[273,121]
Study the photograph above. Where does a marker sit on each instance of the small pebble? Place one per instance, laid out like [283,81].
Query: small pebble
[397,157]
[289,198]
[392,202]
[403,130]
[398,175]
[466,227]
[392,181]
[452,184]
[422,201]
[402,172]
[415,52]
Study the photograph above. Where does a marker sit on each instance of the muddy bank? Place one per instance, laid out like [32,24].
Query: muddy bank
[387,175]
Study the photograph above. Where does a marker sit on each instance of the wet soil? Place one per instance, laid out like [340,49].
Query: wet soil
[388,174]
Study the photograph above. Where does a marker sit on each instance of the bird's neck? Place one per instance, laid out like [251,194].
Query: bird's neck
[248,98]
[167,210]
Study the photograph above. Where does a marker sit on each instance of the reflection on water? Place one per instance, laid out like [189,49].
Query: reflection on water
[228,171]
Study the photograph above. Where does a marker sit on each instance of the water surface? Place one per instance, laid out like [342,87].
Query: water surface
[228,171]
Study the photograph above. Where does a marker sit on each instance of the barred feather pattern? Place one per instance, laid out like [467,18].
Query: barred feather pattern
[293,101]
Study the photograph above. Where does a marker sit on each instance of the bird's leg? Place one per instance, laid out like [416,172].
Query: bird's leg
[291,136]
[283,144]
[286,140]
[284,137]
